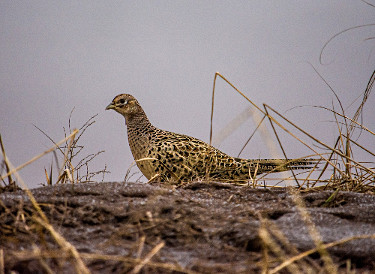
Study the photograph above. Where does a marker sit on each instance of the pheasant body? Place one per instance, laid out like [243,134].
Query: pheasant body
[174,156]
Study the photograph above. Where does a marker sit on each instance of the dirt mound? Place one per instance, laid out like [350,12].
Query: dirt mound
[199,228]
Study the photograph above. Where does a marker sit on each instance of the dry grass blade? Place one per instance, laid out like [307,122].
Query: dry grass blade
[128,176]
[347,118]
[141,246]
[338,34]
[148,257]
[251,136]
[41,260]
[45,134]
[80,267]
[327,163]
[236,89]
[39,156]
[66,160]
[2,267]
[228,129]
[48,177]
[365,97]
[84,127]
[372,5]
[349,130]
[276,249]
[344,144]
[166,266]
[58,254]
[328,263]
[316,140]
[213,99]
[314,250]
[280,144]
[10,180]
[260,120]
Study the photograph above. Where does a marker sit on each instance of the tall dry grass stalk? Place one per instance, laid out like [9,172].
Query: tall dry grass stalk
[340,168]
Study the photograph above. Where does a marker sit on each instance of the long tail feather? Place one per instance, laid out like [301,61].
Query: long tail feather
[278,165]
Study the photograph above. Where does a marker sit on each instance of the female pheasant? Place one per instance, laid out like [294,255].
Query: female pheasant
[172,156]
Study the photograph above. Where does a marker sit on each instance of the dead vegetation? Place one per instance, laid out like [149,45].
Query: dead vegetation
[73,170]
[340,170]
[74,167]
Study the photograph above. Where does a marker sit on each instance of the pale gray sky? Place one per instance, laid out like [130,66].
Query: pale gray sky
[56,55]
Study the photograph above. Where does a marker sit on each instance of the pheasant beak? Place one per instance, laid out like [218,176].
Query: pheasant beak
[110,106]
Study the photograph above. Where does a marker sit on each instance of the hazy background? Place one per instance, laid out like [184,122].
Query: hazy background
[56,55]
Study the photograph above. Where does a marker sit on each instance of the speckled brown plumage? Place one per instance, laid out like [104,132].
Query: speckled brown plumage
[180,157]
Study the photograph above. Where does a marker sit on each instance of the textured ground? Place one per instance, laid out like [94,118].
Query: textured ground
[205,227]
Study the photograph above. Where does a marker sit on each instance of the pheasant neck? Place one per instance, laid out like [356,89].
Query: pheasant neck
[140,132]
[139,127]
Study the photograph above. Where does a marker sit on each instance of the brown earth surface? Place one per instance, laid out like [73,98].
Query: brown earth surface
[201,227]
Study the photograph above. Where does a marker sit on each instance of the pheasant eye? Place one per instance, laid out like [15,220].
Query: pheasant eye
[122,101]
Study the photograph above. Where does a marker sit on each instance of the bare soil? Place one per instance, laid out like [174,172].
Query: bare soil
[206,228]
